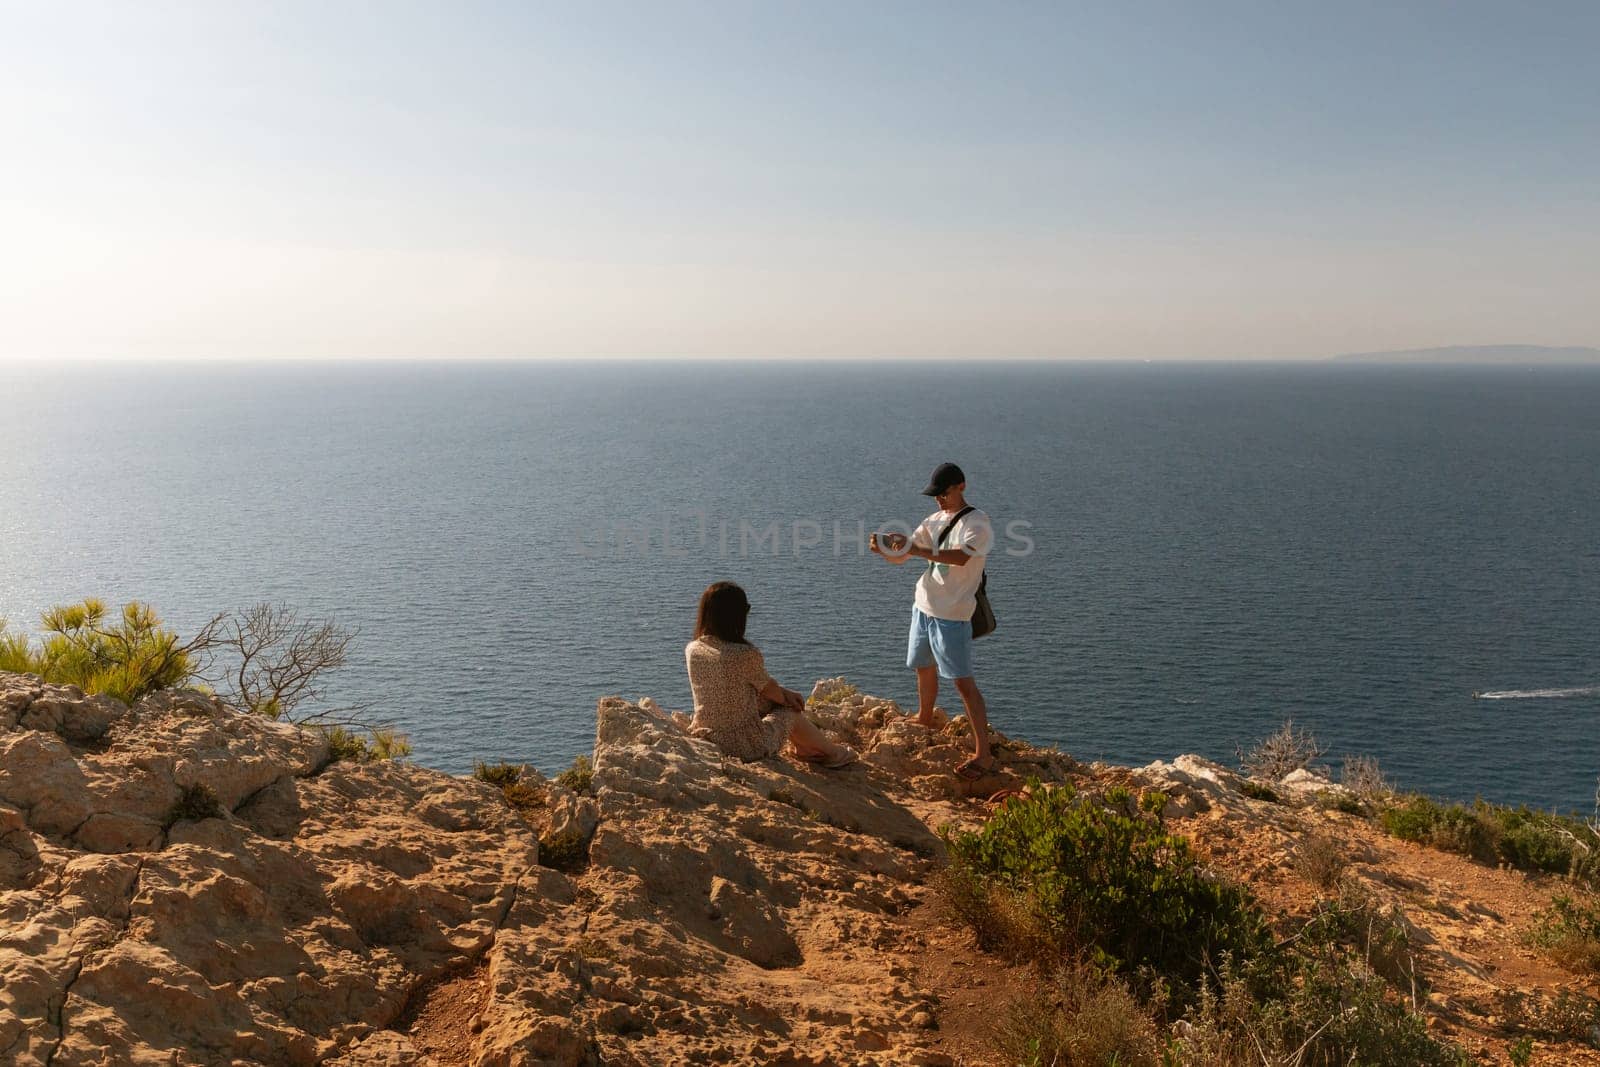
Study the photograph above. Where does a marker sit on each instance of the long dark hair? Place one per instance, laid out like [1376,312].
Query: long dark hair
[723,611]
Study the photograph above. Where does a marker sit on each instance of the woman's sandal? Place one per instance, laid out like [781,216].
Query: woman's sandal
[973,769]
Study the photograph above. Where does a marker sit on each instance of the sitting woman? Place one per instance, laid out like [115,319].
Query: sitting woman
[736,703]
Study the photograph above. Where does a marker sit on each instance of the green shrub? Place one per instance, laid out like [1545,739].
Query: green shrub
[1521,1052]
[1412,819]
[1538,841]
[195,802]
[1053,873]
[509,779]
[1464,830]
[1376,938]
[565,851]
[1342,1015]
[15,655]
[1348,803]
[1526,839]
[346,745]
[1453,828]
[579,777]
[1082,1018]
[1570,1015]
[125,658]
[1569,933]
[1260,791]
[1314,1003]
[1058,879]
[497,774]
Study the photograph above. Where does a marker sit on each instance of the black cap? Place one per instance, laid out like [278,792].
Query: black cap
[944,476]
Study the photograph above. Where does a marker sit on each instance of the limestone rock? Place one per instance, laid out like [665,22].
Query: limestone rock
[279,934]
[384,915]
[1192,784]
[1308,782]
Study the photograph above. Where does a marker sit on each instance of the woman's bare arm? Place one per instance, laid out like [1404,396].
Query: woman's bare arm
[787,697]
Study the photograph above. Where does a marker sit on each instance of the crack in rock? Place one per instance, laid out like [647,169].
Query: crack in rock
[84,958]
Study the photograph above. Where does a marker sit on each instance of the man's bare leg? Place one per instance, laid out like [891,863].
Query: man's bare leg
[977,715]
[927,693]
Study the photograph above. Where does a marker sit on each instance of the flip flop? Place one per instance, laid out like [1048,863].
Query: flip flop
[972,769]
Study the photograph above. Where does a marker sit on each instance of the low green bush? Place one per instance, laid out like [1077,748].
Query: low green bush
[566,851]
[345,744]
[1452,828]
[1464,830]
[1325,1014]
[510,779]
[497,774]
[1053,873]
[1082,1017]
[1348,803]
[1321,999]
[579,777]
[1569,1015]
[1260,791]
[1538,841]
[1521,837]
[1375,938]
[1131,928]
[125,657]
[1569,932]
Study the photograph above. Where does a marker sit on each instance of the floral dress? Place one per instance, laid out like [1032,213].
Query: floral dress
[727,678]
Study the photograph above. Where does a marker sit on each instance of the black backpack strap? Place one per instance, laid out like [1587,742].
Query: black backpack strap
[951,525]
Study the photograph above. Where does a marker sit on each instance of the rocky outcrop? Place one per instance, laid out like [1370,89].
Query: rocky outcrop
[184,884]
[736,912]
[187,884]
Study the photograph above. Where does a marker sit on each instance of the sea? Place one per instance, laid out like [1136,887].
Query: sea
[1404,560]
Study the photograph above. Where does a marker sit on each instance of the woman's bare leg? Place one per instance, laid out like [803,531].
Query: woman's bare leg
[810,741]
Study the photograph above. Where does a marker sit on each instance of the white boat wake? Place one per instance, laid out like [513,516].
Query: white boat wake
[1539,694]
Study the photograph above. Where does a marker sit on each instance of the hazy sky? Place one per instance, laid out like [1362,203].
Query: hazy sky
[338,179]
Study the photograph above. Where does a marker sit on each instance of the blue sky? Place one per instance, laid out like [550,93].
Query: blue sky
[1131,180]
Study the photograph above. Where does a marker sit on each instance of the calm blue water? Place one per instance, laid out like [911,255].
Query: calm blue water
[1215,548]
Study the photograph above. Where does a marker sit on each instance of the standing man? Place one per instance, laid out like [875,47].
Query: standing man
[954,540]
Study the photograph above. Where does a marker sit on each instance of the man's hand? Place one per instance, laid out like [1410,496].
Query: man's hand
[889,544]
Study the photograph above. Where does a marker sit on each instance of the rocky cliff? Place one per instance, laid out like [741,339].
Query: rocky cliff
[184,884]
[181,883]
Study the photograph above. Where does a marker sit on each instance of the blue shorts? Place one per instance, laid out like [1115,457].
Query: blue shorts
[942,642]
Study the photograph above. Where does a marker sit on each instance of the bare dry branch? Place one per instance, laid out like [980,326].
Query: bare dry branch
[269,660]
[1285,751]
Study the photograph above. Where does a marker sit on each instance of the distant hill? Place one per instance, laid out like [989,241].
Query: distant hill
[1478,354]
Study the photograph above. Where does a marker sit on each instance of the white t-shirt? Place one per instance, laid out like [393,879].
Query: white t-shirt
[947,591]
